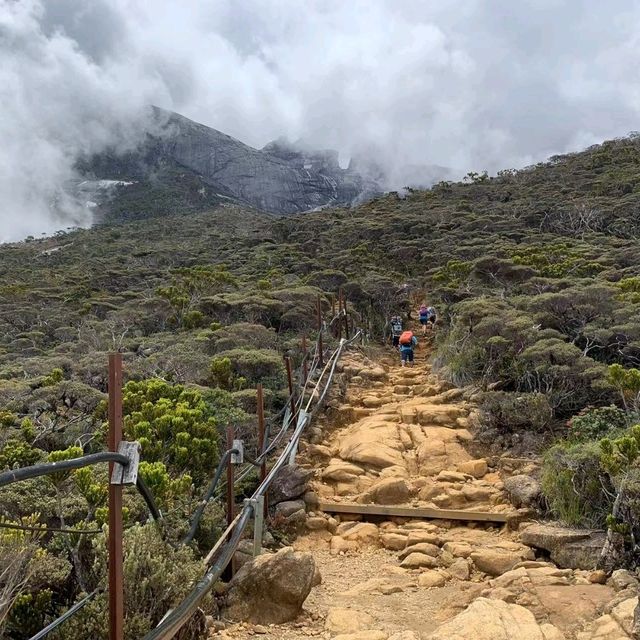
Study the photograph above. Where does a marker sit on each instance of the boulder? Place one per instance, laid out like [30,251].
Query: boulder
[622,579]
[361,532]
[272,588]
[290,483]
[342,620]
[458,549]
[430,579]
[549,537]
[568,548]
[376,373]
[459,569]
[475,468]
[387,491]
[524,491]
[340,471]
[289,507]
[452,476]
[317,523]
[393,541]
[486,619]
[418,560]
[421,547]
[495,562]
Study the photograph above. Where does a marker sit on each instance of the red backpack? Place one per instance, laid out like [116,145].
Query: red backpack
[406,337]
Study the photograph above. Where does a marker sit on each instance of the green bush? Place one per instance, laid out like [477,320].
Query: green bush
[592,424]
[256,365]
[577,489]
[156,578]
[510,412]
[173,424]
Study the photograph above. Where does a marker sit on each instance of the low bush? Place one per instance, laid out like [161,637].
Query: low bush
[578,491]
[592,424]
[509,412]
[156,578]
[255,365]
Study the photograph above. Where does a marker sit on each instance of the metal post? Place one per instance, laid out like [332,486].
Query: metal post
[346,318]
[258,524]
[305,361]
[320,345]
[287,361]
[228,574]
[116,583]
[230,496]
[339,314]
[261,438]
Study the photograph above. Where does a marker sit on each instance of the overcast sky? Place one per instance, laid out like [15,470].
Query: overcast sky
[466,84]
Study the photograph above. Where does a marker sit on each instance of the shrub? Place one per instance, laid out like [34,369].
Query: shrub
[577,490]
[173,424]
[156,578]
[17,452]
[592,424]
[256,365]
[510,412]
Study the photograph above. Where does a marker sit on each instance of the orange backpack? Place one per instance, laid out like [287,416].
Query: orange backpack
[406,337]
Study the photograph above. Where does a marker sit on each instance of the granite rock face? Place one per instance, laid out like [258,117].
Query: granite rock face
[280,178]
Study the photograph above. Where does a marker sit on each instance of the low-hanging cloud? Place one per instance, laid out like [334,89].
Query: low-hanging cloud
[480,84]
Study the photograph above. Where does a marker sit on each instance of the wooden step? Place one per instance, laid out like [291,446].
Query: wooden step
[424,513]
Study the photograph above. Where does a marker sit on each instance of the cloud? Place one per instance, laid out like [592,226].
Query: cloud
[480,84]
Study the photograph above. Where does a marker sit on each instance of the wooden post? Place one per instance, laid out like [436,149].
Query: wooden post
[228,572]
[116,581]
[305,360]
[261,437]
[320,345]
[333,306]
[287,362]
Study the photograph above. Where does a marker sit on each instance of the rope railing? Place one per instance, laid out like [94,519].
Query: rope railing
[314,370]
[179,616]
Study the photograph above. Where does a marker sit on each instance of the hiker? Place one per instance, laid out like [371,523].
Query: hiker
[427,316]
[396,330]
[408,343]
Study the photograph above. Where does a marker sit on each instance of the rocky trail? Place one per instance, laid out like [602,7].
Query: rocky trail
[403,437]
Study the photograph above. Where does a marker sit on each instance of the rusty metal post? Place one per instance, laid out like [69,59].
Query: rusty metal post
[305,360]
[320,345]
[228,572]
[261,443]
[333,306]
[339,314]
[261,433]
[287,362]
[346,318]
[116,581]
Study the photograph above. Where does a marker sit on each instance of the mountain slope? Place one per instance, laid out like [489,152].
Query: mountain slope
[201,166]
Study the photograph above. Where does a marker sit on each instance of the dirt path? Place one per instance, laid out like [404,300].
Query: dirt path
[402,436]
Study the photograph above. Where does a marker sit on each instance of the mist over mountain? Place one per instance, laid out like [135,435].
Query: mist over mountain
[472,86]
[189,166]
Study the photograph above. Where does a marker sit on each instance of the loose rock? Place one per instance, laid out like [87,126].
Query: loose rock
[272,588]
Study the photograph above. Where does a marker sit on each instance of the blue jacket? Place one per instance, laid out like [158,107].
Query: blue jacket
[409,347]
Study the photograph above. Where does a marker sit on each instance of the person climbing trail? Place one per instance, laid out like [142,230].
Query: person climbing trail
[427,317]
[408,343]
[396,330]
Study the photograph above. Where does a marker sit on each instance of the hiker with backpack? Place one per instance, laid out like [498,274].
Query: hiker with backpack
[408,343]
[396,330]
[427,317]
